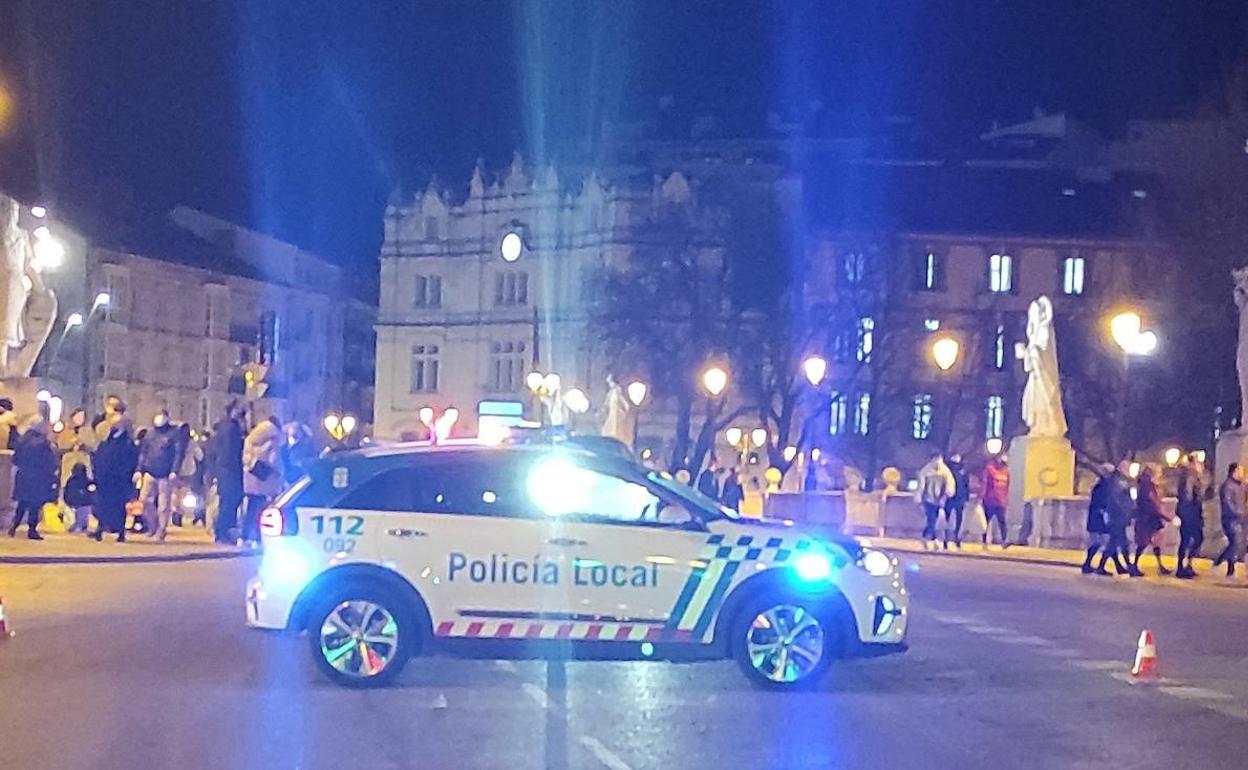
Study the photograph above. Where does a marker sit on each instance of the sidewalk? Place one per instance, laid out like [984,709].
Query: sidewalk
[183,544]
[1023,554]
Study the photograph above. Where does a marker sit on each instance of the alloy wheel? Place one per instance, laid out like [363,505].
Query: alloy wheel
[785,643]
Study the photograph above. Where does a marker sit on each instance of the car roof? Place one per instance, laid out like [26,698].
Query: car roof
[380,457]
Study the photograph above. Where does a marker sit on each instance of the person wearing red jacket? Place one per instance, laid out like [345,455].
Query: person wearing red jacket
[994,495]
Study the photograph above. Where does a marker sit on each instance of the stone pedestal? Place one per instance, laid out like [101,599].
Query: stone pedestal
[1040,468]
[1232,447]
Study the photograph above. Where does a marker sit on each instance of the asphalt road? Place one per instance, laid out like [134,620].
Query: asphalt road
[143,665]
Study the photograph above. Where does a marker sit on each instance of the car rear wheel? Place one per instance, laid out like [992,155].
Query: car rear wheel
[362,635]
[784,642]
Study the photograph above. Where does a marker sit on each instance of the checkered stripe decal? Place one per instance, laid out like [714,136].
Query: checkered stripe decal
[721,561]
[547,629]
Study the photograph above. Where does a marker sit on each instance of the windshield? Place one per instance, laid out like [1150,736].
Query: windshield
[712,508]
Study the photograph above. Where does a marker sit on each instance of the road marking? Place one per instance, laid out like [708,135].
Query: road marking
[505,665]
[957,620]
[990,630]
[536,693]
[1024,639]
[1189,692]
[1059,652]
[1228,709]
[604,755]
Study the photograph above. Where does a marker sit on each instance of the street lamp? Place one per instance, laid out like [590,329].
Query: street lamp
[1126,329]
[945,353]
[576,400]
[339,426]
[758,437]
[733,435]
[533,381]
[815,367]
[103,299]
[49,252]
[636,391]
[994,446]
[38,212]
[715,380]
[72,320]
[1172,455]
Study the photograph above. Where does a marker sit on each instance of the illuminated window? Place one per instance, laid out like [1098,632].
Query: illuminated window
[428,291]
[854,267]
[866,338]
[862,414]
[931,324]
[995,417]
[836,422]
[921,422]
[424,368]
[1001,274]
[1073,268]
[998,347]
[931,272]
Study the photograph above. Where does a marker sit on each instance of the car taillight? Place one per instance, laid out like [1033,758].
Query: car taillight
[275,522]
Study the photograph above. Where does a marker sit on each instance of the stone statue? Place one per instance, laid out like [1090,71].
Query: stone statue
[618,422]
[1042,396]
[1240,292]
[27,306]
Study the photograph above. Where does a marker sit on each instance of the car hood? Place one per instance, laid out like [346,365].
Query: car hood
[791,533]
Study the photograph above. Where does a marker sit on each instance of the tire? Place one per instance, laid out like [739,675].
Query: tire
[769,661]
[372,629]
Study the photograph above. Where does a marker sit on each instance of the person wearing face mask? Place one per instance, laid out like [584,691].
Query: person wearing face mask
[158,461]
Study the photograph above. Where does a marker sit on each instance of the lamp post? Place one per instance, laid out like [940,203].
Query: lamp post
[714,380]
[945,352]
[339,426]
[1126,329]
[636,392]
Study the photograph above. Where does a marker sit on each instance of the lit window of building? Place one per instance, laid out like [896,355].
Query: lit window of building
[862,414]
[854,267]
[921,421]
[931,324]
[931,271]
[866,338]
[995,417]
[1073,270]
[424,368]
[998,347]
[836,422]
[1001,274]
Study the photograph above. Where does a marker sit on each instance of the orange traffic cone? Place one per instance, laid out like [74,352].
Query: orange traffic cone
[1145,656]
[5,633]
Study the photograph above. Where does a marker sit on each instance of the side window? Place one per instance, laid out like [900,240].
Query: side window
[475,486]
[387,491]
[559,487]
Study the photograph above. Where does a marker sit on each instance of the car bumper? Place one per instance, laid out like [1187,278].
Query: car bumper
[266,609]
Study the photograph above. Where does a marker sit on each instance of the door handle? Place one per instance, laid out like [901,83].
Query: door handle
[565,541]
[400,532]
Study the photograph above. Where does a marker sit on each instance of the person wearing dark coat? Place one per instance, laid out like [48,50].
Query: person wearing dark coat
[731,492]
[1192,492]
[956,504]
[80,496]
[708,484]
[226,470]
[1119,508]
[1150,519]
[38,474]
[115,460]
[1098,525]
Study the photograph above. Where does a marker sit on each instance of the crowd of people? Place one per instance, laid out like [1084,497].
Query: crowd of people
[105,469]
[1126,517]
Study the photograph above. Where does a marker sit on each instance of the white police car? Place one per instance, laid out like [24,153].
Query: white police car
[386,553]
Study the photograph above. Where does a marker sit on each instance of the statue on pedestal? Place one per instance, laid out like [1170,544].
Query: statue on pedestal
[27,306]
[618,422]
[1042,396]
[1240,293]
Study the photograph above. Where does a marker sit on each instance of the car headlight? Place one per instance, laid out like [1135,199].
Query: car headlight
[813,568]
[876,563]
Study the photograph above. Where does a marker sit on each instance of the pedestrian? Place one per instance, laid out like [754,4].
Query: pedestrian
[1098,525]
[158,461]
[707,483]
[1191,493]
[263,481]
[956,505]
[1231,499]
[994,496]
[936,486]
[1151,518]
[1120,510]
[298,450]
[731,492]
[114,463]
[80,496]
[35,458]
[226,470]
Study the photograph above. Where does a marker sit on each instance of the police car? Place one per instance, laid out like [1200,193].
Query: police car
[387,553]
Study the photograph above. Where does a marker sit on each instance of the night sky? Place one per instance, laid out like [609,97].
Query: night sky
[298,118]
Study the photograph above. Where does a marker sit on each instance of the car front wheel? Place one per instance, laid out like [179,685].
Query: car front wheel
[784,642]
[362,635]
